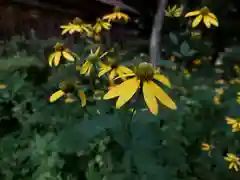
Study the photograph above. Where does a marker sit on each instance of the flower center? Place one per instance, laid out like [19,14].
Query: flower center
[145,71]
[93,59]
[67,87]
[204,10]
[77,21]
[59,47]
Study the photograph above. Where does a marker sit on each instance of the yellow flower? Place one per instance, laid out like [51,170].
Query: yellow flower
[216,100]
[235,81]
[60,50]
[142,79]
[205,15]
[197,61]
[187,73]
[100,25]
[237,68]
[3,86]
[220,82]
[235,123]
[234,161]
[77,25]
[207,147]
[174,11]
[219,91]
[65,89]
[116,15]
[114,70]
[92,60]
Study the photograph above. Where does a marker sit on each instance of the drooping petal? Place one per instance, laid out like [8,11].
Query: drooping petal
[125,69]
[125,75]
[128,89]
[149,98]
[193,13]
[213,21]
[68,56]
[57,58]
[50,59]
[112,74]
[104,70]
[162,96]
[212,15]
[83,97]
[207,21]
[116,90]
[85,67]
[55,96]
[197,20]
[163,79]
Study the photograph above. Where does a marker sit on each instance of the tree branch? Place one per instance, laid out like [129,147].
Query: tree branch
[155,46]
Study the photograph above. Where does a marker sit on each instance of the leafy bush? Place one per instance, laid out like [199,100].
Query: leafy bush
[56,122]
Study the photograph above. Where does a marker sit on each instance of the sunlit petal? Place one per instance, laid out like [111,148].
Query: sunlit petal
[57,58]
[83,97]
[197,20]
[162,96]
[55,96]
[163,79]
[128,89]
[150,98]
[193,13]
[68,56]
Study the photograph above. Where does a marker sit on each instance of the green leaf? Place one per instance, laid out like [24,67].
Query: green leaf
[173,38]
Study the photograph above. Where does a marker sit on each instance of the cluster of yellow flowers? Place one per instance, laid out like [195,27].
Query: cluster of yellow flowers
[232,159]
[203,14]
[140,80]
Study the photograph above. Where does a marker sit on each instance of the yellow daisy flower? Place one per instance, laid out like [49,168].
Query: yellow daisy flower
[66,90]
[3,86]
[142,79]
[174,11]
[220,82]
[197,61]
[60,50]
[238,97]
[77,25]
[100,25]
[233,160]
[206,147]
[237,68]
[205,15]
[235,81]
[92,60]
[114,70]
[187,73]
[235,123]
[116,15]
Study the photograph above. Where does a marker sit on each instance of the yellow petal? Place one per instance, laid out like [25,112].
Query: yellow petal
[83,97]
[68,56]
[112,74]
[212,15]
[193,13]
[116,90]
[213,21]
[125,70]
[125,75]
[129,88]
[3,86]
[55,96]
[197,20]
[163,79]
[85,67]
[230,120]
[206,20]
[162,96]
[104,70]
[50,59]
[57,58]
[235,167]
[150,98]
